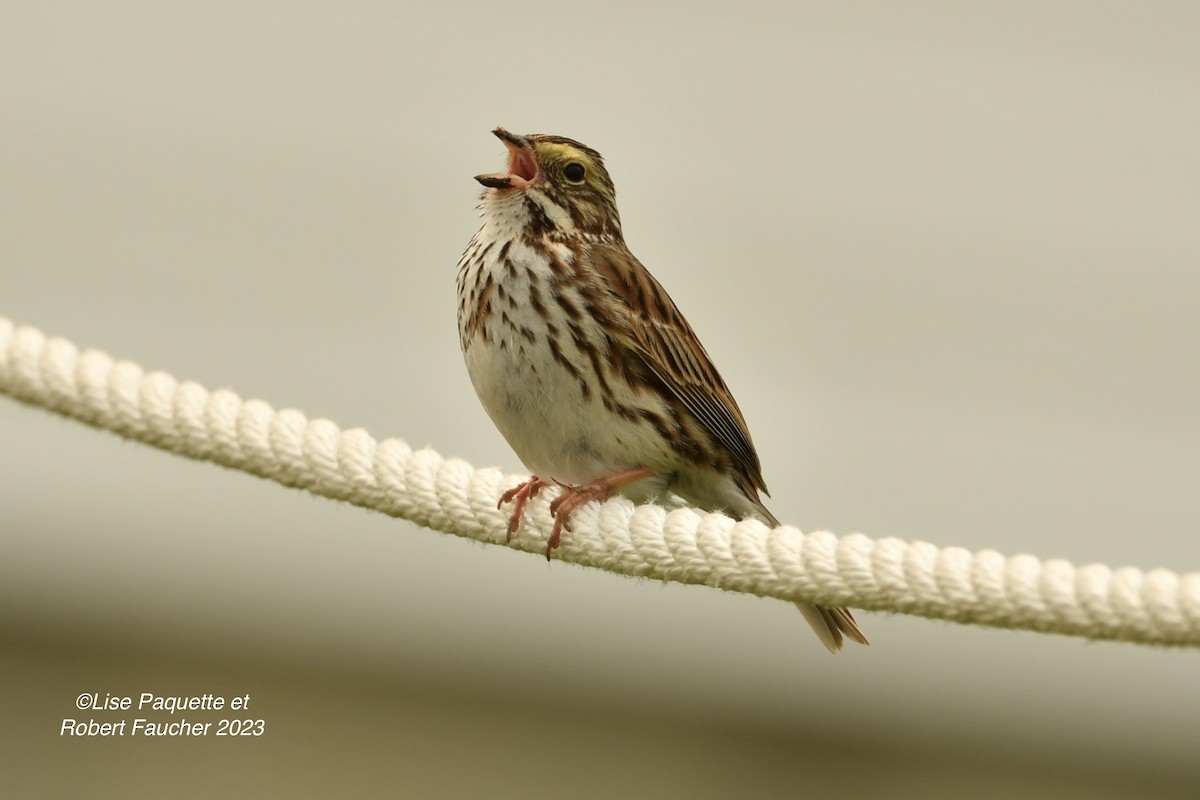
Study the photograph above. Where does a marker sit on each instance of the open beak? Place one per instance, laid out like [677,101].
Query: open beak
[522,168]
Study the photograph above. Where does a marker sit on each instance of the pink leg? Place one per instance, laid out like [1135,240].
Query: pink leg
[575,496]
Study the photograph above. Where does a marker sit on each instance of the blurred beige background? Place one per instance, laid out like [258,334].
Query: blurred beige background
[945,254]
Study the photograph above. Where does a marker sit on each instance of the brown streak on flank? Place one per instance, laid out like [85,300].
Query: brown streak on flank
[535,296]
[529,335]
[629,412]
[593,355]
[631,369]
[663,426]
[621,363]
[556,352]
[574,312]
[621,410]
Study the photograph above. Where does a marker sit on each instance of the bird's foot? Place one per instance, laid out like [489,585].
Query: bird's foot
[520,495]
[563,506]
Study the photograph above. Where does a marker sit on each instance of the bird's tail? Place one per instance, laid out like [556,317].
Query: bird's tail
[832,625]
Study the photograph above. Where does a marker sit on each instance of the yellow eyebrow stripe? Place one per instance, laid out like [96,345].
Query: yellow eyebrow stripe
[554,151]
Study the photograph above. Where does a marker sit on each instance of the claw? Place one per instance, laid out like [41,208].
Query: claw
[522,493]
[555,535]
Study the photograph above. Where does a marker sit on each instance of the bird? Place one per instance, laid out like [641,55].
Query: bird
[584,362]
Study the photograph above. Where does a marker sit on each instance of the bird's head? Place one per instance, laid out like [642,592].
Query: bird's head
[563,183]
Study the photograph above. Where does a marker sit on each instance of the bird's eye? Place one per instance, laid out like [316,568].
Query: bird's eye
[574,172]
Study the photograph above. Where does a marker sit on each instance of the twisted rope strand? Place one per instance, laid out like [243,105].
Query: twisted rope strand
[449,495]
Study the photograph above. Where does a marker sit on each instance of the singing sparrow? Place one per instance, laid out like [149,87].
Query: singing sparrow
[584,362]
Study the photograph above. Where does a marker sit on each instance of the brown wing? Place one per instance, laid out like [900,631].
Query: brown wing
[666,342]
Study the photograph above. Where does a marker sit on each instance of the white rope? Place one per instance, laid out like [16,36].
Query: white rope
[682,545]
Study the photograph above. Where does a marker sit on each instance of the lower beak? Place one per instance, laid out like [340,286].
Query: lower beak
[495,180]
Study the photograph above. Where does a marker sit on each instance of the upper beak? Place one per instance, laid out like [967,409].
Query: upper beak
[522,166]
